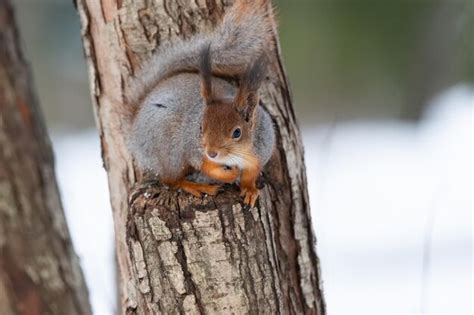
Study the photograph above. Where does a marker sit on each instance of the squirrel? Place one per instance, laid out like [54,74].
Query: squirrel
[194,106]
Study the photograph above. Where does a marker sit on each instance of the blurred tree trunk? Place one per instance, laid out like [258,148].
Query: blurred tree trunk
[436,55]
[39,271]
[178,253]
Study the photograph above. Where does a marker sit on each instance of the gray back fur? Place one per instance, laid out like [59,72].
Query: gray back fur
[264,136]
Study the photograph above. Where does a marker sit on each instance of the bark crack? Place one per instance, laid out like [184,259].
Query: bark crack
[191,287]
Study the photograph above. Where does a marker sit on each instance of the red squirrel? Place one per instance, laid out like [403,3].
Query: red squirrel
[195,105]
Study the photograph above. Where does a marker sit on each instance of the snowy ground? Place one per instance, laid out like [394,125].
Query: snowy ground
[391,203]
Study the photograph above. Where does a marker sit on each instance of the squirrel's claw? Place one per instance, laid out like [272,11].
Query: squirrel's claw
[209,189]
[250,196]
[193,192]
[205,189]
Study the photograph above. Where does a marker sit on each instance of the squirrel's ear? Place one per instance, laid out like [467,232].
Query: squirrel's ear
[246,99]
[206,75]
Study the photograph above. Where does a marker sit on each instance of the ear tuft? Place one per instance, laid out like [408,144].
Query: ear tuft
[256,73]
[206,74]
[247,97]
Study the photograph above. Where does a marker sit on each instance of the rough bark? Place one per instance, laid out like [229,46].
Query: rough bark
[39,271]
[178,253]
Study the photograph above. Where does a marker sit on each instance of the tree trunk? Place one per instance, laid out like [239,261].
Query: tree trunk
[433,62]
[39,271]
[178,253]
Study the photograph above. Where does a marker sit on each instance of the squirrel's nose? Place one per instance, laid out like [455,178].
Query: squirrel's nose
[212,154]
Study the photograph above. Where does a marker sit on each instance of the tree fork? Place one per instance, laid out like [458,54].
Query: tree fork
[182,254]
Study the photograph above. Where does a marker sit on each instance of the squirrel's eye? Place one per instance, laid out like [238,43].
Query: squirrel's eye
[236,133]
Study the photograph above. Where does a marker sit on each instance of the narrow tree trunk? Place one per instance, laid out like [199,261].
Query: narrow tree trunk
[39,271]
[433,63]
[178,253]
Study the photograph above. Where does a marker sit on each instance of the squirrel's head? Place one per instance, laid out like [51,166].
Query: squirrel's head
[228,124]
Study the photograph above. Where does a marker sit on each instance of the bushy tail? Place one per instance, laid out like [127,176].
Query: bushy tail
[244,35]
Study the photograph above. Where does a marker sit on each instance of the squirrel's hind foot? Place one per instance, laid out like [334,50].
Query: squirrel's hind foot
[197,189]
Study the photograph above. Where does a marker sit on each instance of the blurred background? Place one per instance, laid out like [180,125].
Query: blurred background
[384,92]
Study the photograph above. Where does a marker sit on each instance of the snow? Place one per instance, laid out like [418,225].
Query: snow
[379,193]
[391,206]
[83,185]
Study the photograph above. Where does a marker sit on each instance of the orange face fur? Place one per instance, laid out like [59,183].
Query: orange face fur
[226,135]
[227,125]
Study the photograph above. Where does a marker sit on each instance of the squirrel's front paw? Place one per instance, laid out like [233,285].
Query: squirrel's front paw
[250,195]
[229,174]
